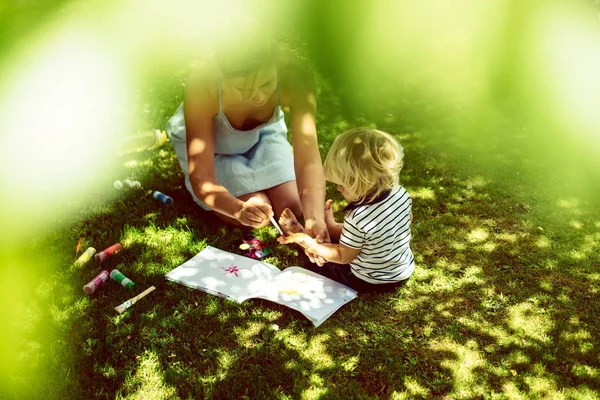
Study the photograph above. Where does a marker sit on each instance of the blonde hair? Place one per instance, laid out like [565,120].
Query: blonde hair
[366,162]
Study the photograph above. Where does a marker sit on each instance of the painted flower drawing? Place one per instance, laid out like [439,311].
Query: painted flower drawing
[233,269]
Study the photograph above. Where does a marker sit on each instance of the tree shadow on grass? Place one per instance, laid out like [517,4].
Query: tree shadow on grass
[502,300]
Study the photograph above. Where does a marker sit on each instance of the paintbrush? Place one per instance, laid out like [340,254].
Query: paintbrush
[78,247]
[277,226]
[133,300]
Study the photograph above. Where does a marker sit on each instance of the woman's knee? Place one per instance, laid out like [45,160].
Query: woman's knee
[285,196]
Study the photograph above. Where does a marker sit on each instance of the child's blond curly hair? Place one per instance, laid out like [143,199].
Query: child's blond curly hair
[366,162]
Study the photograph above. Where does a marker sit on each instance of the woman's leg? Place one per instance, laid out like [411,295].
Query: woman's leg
[285,196]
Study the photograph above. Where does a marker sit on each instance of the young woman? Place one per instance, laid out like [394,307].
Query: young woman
[231,138]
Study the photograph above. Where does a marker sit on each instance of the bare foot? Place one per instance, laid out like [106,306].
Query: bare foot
[329,218]
[289,223]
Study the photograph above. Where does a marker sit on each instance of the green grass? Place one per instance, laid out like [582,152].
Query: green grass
[502,304]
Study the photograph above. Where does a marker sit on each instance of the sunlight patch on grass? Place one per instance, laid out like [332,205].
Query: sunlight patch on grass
[579,339]
[516,357]
[448,266]
[316,390]
[477,181]
[148,381]
[341,333]
[530,321]
[423,193]
[576,336]
[64,315]
[546,285]
[414,388]
[316,352]
[350,364]
[246,335]
[473,274]
[575,224]
[541,387]
[478,235]
[506,237]
[543,242]
[156,238]
[226,360]
[106,370]
[442,282]
[457,245]
[488,247]
[478,324]
[577,255]
[291,364]
[586,371]
[570,205]
[466,358]
[117,319]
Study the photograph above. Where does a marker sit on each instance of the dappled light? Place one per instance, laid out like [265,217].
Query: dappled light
[500,162]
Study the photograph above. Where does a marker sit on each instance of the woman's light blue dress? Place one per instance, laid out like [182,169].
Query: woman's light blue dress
[245,161]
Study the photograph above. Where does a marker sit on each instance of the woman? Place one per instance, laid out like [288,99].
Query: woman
[231,138]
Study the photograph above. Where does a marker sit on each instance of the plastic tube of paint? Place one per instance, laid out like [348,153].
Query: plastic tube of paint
[144,140]
[109,251]
[166,200]
[85,256]
[118,277]
[98,280]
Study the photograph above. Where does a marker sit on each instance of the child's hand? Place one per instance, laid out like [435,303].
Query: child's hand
[299,238]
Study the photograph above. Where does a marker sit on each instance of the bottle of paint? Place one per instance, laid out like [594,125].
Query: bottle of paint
[144,140]
[98,280]
[85,257]
[166,200]
[109,251]
[118,277]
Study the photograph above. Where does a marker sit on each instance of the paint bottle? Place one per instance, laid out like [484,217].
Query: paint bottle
[109,251]
[118,277]
[98,280]
[85,257]
[145,140]
[166,200]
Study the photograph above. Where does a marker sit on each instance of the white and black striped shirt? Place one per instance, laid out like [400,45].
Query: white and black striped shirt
[381,230]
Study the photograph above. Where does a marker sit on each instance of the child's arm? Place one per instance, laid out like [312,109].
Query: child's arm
[333,252]
[335,230]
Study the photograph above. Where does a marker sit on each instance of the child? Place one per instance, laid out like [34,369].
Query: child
[373,252]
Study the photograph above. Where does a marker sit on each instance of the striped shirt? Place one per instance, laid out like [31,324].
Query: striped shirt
[381,230]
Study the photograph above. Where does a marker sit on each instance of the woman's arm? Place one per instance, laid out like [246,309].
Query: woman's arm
[200,106]
[299,93]
[337,253]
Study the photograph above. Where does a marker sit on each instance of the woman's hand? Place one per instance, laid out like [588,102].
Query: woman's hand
[254,213]
[317,229]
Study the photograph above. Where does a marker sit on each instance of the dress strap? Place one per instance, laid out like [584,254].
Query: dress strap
[219,89]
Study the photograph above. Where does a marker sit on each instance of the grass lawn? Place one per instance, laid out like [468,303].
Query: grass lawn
[503,302]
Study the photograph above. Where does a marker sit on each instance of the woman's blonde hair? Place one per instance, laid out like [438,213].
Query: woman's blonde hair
[366,162]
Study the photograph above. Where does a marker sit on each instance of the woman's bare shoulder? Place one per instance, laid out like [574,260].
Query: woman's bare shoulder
[295,78]
[201,86]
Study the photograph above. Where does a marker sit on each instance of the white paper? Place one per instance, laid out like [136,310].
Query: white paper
[223,274]
[239,278]
[314,295]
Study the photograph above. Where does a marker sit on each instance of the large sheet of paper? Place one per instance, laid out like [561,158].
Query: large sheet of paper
[314,295]
[223,274]
[240,278]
